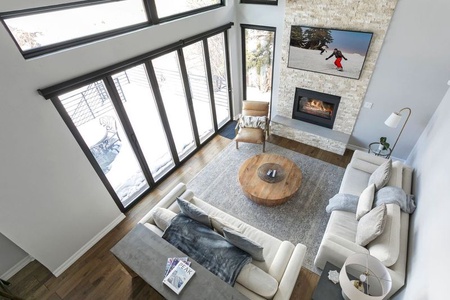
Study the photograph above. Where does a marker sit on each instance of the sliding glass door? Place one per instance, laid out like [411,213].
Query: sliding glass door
[138,122]
[139,103]
[96,120]
[198,81]
[170,83]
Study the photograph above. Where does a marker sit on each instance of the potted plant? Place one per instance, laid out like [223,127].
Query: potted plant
[384,145]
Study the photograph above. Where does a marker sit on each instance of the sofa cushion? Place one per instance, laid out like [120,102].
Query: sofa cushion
[193,212]
[218,224]
[371,225]
[258,281]
[163,217]
[386,247]
[365,201]
[381,175]
[244,243]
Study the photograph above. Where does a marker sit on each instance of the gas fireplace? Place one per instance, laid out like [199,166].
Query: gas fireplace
[315,107]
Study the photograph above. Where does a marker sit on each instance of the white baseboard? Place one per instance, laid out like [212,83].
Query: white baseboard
[19,266]
[87,246]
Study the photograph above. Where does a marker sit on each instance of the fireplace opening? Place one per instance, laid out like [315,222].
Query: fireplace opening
[315,107]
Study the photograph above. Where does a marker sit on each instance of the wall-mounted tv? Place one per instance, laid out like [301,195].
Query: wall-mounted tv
[329,51]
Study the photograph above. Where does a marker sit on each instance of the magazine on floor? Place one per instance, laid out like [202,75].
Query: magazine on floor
[179,276]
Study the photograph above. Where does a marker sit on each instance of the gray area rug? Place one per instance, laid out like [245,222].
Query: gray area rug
[302,219]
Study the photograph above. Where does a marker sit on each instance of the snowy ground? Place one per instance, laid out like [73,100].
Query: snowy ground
[311,60]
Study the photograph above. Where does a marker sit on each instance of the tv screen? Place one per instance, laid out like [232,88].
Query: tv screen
[328,51]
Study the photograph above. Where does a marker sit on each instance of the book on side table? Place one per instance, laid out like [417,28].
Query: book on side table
[179,276]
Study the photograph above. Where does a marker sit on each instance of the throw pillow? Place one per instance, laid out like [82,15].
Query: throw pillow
[365,201]
[244,243]
[252,122]
[371,225]
[219,224]
[381,175]
[193,212]
[345,202]
[163,217]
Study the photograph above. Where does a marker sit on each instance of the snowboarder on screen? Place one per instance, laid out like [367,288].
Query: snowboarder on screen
[339,56]
[323,49]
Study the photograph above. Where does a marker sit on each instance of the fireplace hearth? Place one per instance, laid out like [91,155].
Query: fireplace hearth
[315,107]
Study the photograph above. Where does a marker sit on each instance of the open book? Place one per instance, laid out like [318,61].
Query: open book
[178,276]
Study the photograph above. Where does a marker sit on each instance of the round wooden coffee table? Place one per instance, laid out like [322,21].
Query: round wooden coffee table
[263,189]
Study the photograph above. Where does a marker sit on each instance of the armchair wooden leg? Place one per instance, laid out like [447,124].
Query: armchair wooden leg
[264,147]
[237,146]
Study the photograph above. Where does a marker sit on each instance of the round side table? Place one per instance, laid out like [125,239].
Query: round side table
[379,151]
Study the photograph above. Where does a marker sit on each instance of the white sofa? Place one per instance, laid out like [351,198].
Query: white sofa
[273,278]
[391,246]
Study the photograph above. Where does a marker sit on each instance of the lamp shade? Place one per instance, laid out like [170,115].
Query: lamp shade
[370,275]
[393,120]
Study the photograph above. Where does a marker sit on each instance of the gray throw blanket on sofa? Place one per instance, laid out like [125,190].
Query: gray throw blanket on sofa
[207,247]
[388,194]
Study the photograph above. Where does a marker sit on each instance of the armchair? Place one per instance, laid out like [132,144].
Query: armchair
[253,124]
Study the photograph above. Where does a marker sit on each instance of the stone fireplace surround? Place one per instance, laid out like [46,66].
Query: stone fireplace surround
[358,15]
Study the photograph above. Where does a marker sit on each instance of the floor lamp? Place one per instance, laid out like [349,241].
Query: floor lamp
[394,120]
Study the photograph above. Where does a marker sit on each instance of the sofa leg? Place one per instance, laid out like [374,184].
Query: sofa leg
[237,146]
[264,147]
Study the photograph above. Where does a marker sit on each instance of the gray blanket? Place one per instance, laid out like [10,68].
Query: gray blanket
[388,194]
[207,247]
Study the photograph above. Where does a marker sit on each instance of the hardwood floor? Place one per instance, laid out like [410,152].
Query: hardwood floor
[98,274]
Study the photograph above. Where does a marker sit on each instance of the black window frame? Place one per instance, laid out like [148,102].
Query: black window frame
[150,9]
[263,2]
[52,93]
[244,58]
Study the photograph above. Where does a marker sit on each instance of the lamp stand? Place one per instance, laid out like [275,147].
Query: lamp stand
[403,127]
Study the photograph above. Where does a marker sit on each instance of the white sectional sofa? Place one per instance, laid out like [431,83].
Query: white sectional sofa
[391,246]
[273,278]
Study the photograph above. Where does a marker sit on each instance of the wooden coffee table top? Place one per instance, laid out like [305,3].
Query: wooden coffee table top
[264,192]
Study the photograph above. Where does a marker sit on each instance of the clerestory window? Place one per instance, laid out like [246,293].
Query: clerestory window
[43,30]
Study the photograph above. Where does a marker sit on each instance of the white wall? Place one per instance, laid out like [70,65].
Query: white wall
[428,261]
[411,71]
[10,255]
[53,203]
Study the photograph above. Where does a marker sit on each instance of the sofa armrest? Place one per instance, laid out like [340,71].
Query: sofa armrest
[165,202]
[287,283]
[335,250]
[366,162]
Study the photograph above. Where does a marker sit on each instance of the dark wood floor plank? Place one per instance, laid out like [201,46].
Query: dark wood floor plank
[98,274]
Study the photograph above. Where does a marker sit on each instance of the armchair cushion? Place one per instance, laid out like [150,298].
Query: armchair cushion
[251,135]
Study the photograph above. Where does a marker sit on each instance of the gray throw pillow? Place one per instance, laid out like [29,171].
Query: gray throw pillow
[381,175]
[193,212]
[365,201]
[244,243]
[371,225]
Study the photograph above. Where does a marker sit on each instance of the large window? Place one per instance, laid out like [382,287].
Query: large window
[138,121]
[174,7]
[43,30]
[56,26]
[258,44]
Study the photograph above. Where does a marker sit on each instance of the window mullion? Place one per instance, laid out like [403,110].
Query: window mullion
[210,85]
[187,90]
[152,13]
[227,64]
